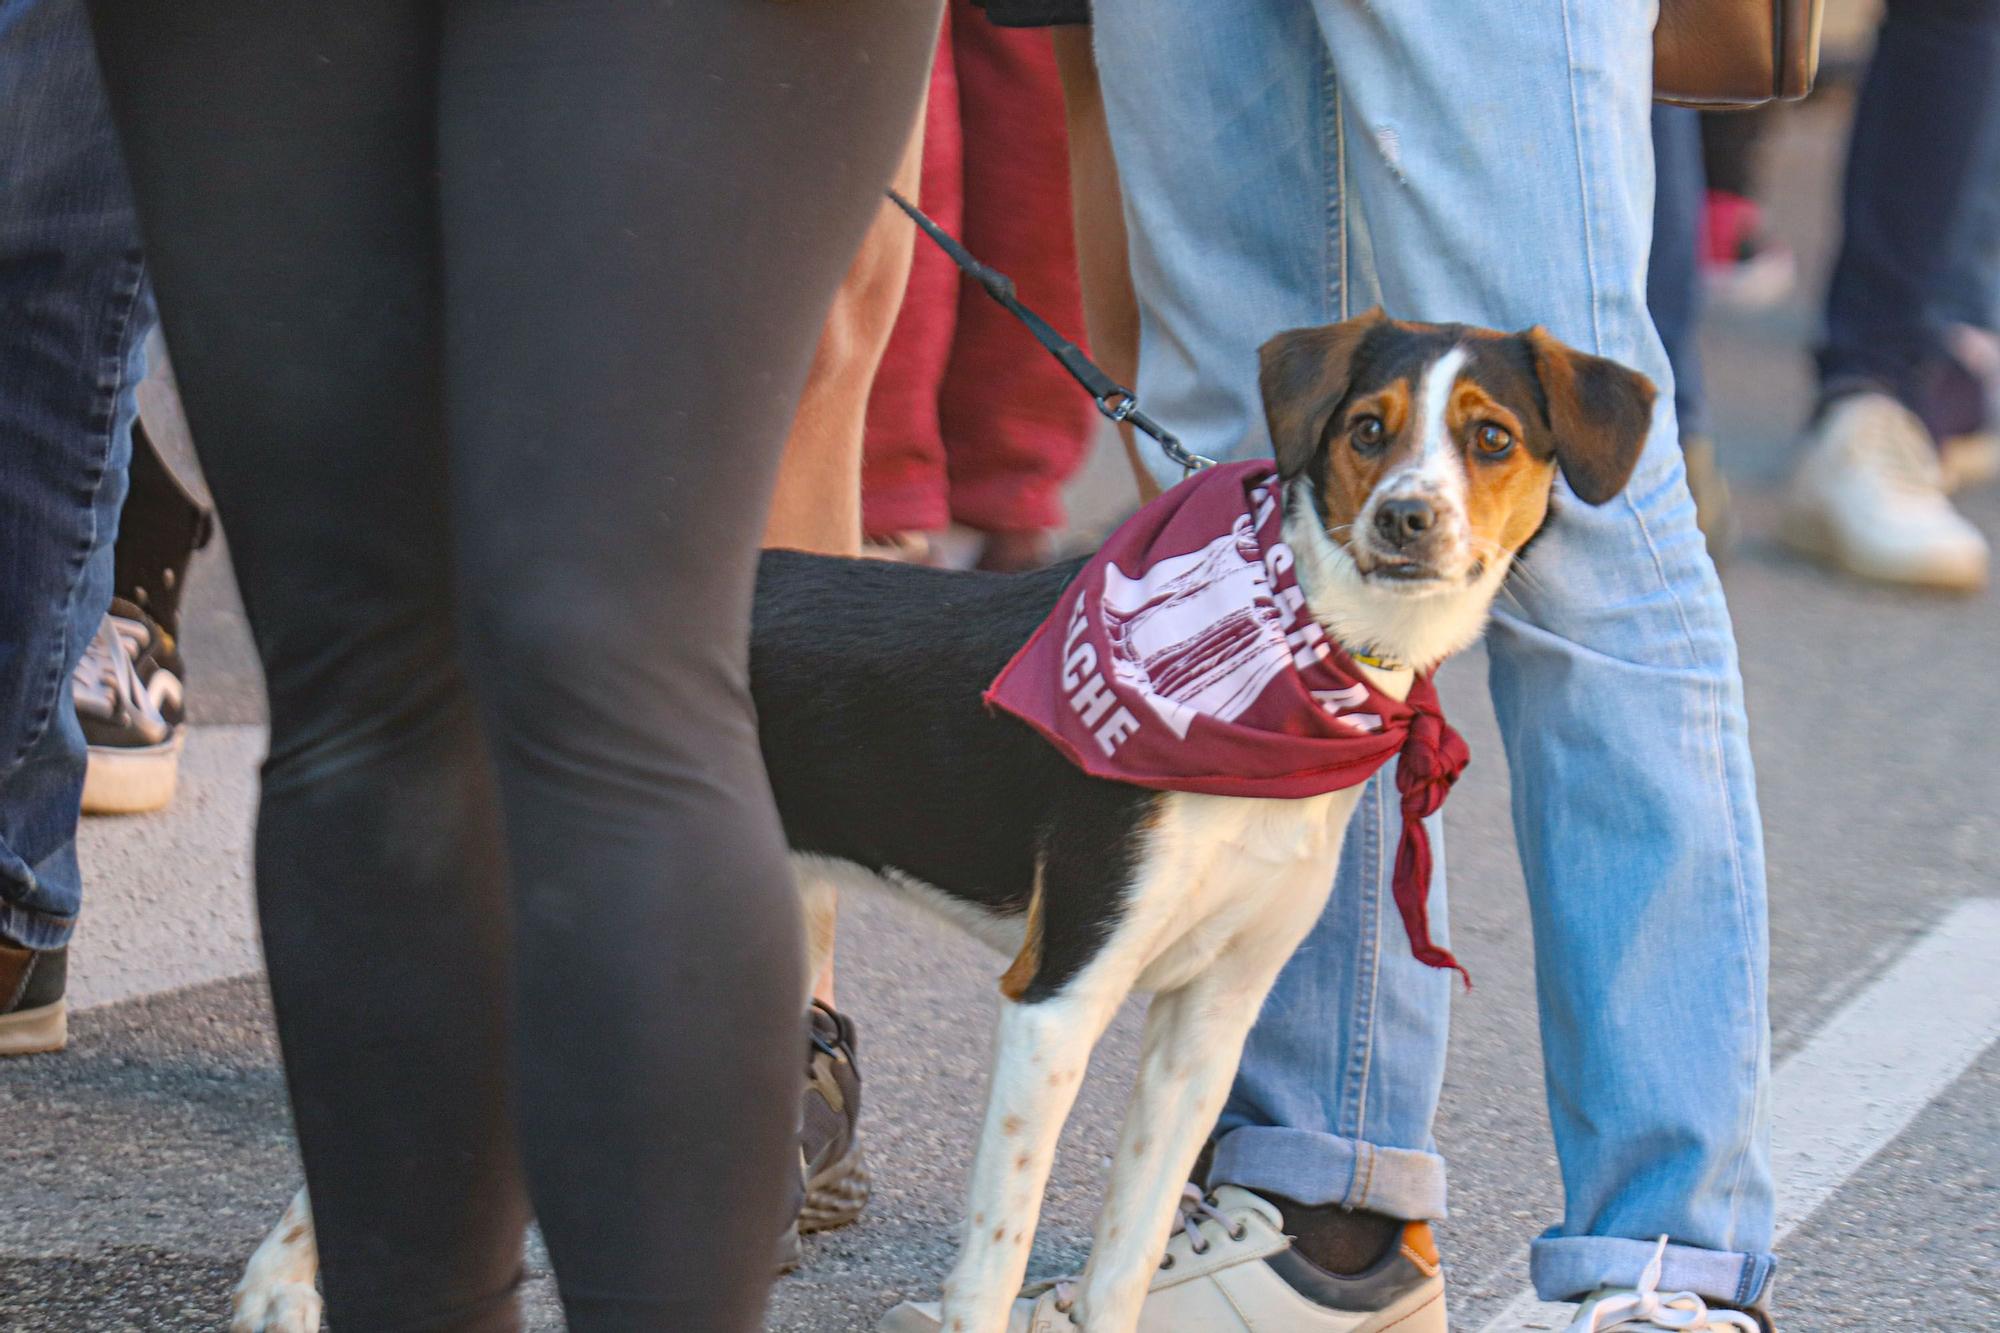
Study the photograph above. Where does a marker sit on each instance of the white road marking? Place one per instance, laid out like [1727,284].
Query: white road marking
[1866,1074]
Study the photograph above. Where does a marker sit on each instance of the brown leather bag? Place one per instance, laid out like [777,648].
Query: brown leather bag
[1735,53]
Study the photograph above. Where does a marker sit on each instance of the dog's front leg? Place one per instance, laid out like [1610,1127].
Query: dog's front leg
[1039,1059]
[276,1294]
[1194,1040]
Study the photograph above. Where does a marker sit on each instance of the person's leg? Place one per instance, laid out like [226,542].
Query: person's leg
[631,314]
[1673,280]
[1340,1078]
[130,690]
[1339,1081]
[816,501]
[1613,669]
[377,784]
[903,492]
[1015,425]
[72,286]
[1742,266]
[1967,290]
[281,158]
[1621,675]
[1963,407]
[1868,493]
[1097,207]
[1932,85]
[1673,295]
[1729,146]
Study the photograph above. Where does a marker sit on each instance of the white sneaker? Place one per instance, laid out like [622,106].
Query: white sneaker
[1230,1269]
[1640,1308]
[1868,497]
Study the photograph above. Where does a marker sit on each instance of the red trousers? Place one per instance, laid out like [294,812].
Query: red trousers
[970,420]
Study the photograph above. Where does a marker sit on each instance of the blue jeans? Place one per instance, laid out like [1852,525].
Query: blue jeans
[73,318]
[1248,137]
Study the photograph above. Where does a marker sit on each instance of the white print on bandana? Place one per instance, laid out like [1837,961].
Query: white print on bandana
[1196,634]
[1202,635]
[1084,687]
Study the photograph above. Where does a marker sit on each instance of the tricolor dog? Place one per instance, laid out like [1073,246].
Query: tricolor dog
[1151,793]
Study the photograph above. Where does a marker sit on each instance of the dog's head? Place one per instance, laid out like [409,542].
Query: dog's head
[1427,452]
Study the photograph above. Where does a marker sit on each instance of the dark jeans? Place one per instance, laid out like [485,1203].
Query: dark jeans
[1931,96]
[74,314]
[490,319]
[1673,278]
[1968,290]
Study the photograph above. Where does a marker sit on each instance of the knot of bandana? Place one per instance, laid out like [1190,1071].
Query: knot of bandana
[1432,757]
[1183,657]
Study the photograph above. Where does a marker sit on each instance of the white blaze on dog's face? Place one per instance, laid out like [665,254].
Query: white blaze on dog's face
[1427,453]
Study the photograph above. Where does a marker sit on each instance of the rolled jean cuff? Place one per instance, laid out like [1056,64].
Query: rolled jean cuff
[1565,1268]
[1314,1168]
[30,929]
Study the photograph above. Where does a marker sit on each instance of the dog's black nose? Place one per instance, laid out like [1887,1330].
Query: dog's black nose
[1400,522]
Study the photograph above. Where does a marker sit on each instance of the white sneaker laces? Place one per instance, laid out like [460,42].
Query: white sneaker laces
[1194,1209]
[1894,447]
[106,679]
[1645,1307]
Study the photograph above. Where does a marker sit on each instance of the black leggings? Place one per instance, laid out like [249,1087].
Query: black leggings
[490,317]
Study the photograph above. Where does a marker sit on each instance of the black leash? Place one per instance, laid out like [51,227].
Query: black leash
[1113,399]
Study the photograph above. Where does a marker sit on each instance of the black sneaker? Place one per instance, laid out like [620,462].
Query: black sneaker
[33,1017]
[129,700]
[833,1177]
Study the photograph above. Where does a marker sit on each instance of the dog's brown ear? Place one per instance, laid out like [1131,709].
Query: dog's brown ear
[1304,373]
[1599,413]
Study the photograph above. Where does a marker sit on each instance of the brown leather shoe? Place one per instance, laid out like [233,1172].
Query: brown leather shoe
[33,1017]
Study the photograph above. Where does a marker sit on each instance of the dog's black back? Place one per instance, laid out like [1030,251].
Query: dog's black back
[867,677]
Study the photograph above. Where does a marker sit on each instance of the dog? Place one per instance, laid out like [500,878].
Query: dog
[1414,463]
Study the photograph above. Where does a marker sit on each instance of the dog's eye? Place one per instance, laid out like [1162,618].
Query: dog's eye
[1493,441]
[1366,433]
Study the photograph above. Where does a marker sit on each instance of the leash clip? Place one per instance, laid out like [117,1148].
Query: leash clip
[1121,404]
[1117,405]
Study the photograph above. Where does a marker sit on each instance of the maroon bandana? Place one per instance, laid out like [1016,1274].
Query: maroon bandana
[1183,658]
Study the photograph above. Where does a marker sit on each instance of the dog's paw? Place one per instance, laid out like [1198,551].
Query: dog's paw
[275,1307]
[276,1294]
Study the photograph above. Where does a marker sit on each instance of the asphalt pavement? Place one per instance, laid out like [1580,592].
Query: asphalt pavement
[140,1167]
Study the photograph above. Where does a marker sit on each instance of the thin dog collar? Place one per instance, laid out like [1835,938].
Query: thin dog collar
[1379,663]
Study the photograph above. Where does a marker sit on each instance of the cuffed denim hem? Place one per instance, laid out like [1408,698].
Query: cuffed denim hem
[1315,1168]
[30,929]
[1565,1268]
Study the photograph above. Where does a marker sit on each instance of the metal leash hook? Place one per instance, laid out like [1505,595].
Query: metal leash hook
[1113,399]
[1123,405]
